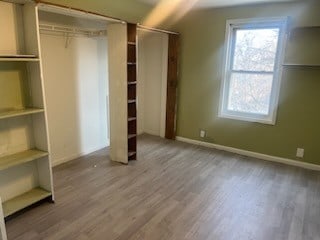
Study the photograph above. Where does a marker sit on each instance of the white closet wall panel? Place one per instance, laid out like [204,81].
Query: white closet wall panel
[76,93]
[152,79]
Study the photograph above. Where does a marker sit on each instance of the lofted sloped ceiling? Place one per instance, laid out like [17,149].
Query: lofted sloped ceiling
[214,3]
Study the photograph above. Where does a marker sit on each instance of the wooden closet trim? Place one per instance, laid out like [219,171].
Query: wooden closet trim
[172,84]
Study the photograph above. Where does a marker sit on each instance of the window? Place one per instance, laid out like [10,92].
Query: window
[251,80]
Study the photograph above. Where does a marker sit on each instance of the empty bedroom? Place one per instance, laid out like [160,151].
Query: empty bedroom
[159,119]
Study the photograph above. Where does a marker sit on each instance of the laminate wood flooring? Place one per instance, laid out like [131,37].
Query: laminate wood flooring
[176,191]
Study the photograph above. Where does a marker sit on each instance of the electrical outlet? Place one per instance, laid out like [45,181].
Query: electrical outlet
[202,133]
[300,152]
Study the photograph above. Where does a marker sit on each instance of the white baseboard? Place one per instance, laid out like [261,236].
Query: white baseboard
[59,161]
[291,162]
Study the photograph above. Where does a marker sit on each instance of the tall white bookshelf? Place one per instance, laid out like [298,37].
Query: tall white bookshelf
[3,233]
[25,168]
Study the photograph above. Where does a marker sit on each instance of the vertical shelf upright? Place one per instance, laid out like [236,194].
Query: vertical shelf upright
[3,233]
[132,90]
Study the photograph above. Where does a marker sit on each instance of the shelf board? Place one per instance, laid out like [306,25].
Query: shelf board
[132,101]
[132,43]
[21,112]
[130,154]
[305,28]
[131,136]
[295,65]
[24,200]
[19,58]
[132,63]
[132,83]
[132,119]
[20,158]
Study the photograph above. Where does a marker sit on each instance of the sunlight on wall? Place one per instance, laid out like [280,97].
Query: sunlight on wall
[165,9]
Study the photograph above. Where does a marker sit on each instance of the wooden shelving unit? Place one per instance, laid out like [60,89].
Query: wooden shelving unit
[132,90]
[132,119]
[25,167]
[122,51]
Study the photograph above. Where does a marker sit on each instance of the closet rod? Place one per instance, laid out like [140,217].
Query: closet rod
[71,30]
[21,2]
[59,8]
[156,29]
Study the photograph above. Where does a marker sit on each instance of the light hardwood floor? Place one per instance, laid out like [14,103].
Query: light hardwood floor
[176,191]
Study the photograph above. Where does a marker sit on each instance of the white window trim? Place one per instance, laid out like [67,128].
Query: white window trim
[274,99]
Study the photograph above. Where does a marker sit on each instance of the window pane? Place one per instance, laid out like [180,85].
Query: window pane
[255,49]
[250,93]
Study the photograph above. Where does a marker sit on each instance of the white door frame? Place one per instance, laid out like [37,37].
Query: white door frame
[3,233]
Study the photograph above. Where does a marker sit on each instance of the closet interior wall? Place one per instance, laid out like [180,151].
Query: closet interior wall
[75,66]
[152,81]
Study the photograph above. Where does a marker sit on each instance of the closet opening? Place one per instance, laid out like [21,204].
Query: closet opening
[157,78]
[74,54]
[152,79]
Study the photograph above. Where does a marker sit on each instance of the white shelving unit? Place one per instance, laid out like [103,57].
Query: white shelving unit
[20,112]
[25,168]
[18,58]
[3,234]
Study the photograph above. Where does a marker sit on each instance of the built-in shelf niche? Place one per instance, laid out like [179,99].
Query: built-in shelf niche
[297,65]
[21,89]
[20,43]
[132,74]
[303,50]
[24,200]
[19,158]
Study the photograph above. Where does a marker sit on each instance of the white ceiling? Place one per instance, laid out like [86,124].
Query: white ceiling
[218,3]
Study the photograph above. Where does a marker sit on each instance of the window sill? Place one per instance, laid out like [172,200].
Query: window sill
[248,119]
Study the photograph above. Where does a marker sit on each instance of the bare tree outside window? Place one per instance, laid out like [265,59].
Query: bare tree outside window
[255,50]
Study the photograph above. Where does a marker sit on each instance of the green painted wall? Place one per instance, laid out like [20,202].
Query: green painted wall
[203,35]
[127,10]
[298,120]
